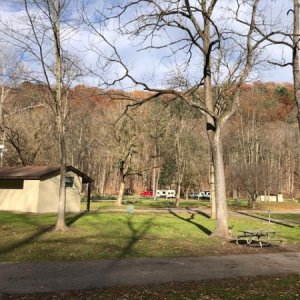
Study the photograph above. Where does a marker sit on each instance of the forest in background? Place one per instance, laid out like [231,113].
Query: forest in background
[161,144]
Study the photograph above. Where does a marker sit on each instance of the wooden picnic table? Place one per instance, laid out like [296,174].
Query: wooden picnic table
[261,236]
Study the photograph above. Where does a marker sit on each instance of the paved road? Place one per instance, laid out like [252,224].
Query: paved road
[193,209]
[62,276]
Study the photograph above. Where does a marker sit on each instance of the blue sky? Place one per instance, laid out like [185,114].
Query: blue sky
[151,66]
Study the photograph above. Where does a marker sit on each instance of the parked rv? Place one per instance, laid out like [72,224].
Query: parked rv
[204,195]
[200,195]
[192,195]
[165,194]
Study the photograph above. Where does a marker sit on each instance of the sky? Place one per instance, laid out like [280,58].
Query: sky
[150,66]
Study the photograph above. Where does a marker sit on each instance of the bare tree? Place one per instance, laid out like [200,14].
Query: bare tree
[124,139]
[296,61]
[42,41]
[226,56]
[289,38]
[260,148]
[10,71]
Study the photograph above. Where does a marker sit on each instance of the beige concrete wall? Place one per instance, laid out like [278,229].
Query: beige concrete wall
[25,199]
[39,196]
[74,194]
[48,194]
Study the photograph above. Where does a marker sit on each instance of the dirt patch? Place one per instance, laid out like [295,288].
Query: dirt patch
[231,248]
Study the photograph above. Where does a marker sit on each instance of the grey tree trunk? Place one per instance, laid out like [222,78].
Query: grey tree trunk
[296,75]
[2,122]
[55,9]
[214,136]
[212,190]
[121,192]
[60,223]
[187,192]
[157,182]
[221,205]
[178,190]
[154,174]
[103,179]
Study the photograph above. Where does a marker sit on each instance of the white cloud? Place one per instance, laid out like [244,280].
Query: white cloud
[148,65]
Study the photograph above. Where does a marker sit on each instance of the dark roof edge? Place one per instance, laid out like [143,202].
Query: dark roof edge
[86,178]
[21,178]
[55,172]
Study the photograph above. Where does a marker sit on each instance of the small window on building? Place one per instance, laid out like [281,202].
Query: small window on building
[69,182]
[12,184]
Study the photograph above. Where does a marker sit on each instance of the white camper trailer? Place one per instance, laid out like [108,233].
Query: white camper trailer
[165,194]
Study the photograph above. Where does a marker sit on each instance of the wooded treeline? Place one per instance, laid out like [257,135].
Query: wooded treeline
[210,50]
[161,144]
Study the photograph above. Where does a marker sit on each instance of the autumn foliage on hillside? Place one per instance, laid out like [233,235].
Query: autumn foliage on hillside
[100,135]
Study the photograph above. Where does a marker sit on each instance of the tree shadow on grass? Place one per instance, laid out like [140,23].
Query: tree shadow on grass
[199,212]
[72,219]
[202,213]
[136,234]
[27,240]
[190,220]
[41,231]
[265,219]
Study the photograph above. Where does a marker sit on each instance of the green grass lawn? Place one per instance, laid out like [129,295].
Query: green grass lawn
[144,203]
[149,203]
[242,204]
[26,237]
[294,218]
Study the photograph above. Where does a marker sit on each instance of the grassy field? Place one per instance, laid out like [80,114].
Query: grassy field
[148,203]
[294,217]
[144,203]
[26,237]
[259,288]
[102,235]
[278,206]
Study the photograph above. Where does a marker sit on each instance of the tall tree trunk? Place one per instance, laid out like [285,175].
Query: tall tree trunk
[154,174]
[187,191]
[153,182]
[4,94]
[214,132]
[212,190]
[55,7]
[103,179]
[178,190]
[2,121]
[221,205]
[157,182]
[296,75]
[60,224]
[121,191]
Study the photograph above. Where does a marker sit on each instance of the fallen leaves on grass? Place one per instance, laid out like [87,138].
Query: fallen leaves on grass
[285,287]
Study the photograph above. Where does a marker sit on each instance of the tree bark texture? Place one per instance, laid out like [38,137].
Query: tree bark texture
[55,10]
[214,136]
[121,192]
[212,190]
[221,205]
[296,75]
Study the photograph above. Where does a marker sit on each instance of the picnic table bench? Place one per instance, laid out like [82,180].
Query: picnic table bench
[261,236]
